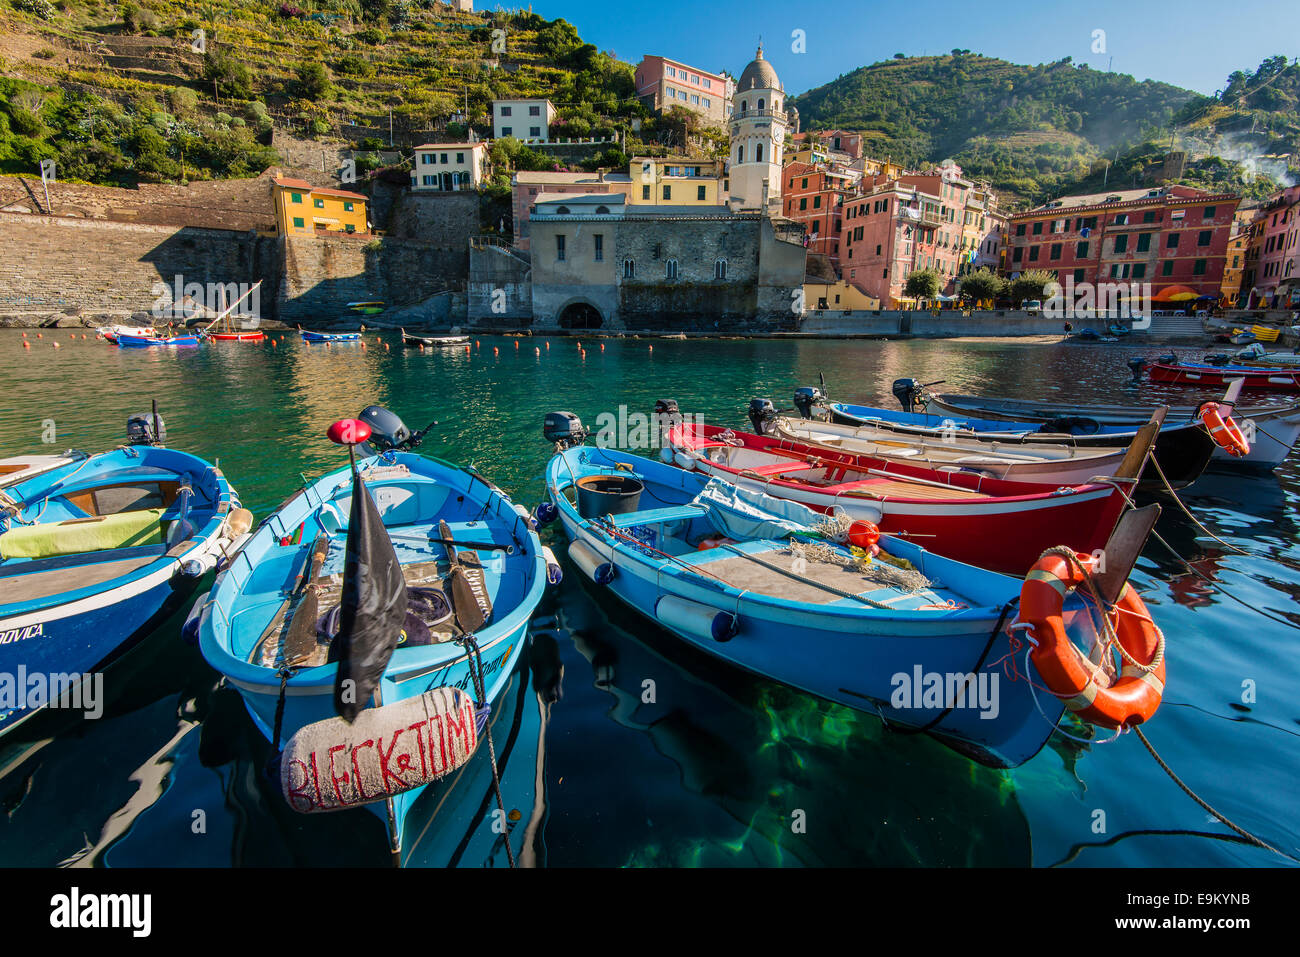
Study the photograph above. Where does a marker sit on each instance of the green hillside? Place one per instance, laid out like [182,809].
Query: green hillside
[117,93]
[1038,131]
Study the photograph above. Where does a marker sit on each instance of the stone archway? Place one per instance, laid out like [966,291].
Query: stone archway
[580,314]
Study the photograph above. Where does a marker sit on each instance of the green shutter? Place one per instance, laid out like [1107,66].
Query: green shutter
[298,223]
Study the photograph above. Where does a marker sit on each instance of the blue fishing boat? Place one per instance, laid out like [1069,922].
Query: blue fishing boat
[282,622]
[96,550]
[156,341]
[927,643]
[309,336]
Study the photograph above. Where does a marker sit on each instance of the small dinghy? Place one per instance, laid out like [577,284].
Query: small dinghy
[413,596]
[982,521]
[309,336]
[431,342]
[140,332]
[97,550]
[126,341]
[1217,377]
[877,623]
[1181,448]
[1046,464]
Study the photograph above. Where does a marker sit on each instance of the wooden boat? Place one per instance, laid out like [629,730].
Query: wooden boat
[716,566]
[1218,377]
[253,335]
[130,342]
[431,342]
[223,329]
[259,625]
[97,550]
[1272,430]
[1046,464]
[309,336]
[112,332]
[991,523]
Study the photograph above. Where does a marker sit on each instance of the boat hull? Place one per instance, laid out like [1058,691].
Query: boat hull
[1220,377]
[842,654]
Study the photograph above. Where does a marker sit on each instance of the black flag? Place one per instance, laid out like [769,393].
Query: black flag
[373,604]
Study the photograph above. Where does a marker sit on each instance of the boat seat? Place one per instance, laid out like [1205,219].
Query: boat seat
[780,468]
[93,534]
[658,516]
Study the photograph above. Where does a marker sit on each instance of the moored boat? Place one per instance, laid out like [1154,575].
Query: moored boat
[1272,430]
[1048,464]
[96,550]
[130,342]
[438,547]
[992,523]
[431,342]
[1217,377]
[112,332]
[309,336]
[764,584]
[254,335]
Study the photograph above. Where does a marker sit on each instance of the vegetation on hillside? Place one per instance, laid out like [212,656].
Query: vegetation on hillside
[1038,131]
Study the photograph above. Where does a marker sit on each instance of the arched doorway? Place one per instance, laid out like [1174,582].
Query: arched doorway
[580,315]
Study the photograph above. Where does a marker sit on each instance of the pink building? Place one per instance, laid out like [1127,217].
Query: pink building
[662,83]
[527,186]
[1275,279]
[840,141]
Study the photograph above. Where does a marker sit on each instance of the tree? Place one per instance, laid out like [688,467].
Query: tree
[230,75]
[313,81]
[922,284]
[982,285]
[1030,285]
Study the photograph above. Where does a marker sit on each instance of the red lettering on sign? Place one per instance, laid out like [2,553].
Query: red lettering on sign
[293,793]
[356,769]
[384,757]
[343,802]
[418,728]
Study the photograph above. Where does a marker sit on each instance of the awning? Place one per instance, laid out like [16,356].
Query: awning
[1176,293]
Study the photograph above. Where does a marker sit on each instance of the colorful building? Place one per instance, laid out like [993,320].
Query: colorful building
[449,166]
[305,210]
[1174,235]
[527,186]
[526,120]
[1279,225]
[662,83]
[814,195]
[676,181]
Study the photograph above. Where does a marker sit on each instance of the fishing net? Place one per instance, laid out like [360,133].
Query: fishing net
[883,569]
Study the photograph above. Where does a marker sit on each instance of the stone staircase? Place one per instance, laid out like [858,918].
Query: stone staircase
[1173,327]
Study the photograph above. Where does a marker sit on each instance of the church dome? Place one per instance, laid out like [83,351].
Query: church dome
[758,75]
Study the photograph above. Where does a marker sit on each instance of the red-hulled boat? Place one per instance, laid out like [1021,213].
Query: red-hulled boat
[1217,377]
[991,523]
[255,336]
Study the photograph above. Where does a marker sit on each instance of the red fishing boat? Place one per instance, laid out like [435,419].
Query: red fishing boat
[1217,377]
[223,329]
[254,336]
[991,523]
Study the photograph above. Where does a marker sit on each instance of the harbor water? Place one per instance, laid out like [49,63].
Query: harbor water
[619,746]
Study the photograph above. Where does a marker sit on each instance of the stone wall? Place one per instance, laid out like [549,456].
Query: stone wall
[446,219]
[322,274]
[57,265]
[500,290]
[238,204]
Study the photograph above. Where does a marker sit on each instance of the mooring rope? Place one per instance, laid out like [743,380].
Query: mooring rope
[475,665]
[1186,511]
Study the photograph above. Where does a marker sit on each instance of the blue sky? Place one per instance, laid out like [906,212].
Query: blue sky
[1190,43]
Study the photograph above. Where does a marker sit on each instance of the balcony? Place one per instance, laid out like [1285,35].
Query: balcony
[760,114]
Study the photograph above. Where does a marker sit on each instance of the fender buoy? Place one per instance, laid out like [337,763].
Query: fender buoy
[330,765]
[1130,699]
[1225,432]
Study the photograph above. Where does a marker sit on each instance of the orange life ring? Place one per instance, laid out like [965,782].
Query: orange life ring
[1225,432]
[1135,695]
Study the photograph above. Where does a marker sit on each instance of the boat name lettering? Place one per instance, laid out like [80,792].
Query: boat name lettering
[22,634]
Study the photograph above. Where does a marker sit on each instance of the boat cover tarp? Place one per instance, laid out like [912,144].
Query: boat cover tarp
[139,527]
[746,514]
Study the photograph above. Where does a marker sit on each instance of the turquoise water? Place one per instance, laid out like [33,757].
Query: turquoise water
[723,768]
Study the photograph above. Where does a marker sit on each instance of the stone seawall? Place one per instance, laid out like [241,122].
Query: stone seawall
[950,324]
[63,266]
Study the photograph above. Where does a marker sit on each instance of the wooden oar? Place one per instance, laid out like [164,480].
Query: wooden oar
[486,546]
[470,615]
[300,643]
[276,624]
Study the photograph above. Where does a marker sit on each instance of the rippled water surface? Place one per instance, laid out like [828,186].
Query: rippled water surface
[716,769]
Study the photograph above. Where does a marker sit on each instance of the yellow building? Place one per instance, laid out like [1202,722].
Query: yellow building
[836,297]
[1233,266]
[676,181]
[303,210]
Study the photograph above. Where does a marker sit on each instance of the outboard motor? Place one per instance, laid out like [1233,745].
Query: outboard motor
[908,393]
[806,397]
[564,429]
[387,431]
[667,415]
[1137,365]
[1169,357]
[146,428]
[761,413]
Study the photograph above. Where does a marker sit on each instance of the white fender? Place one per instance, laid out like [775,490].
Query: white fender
[684,460]
[331,765]
[592,565]
[695,619]
[554,573]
